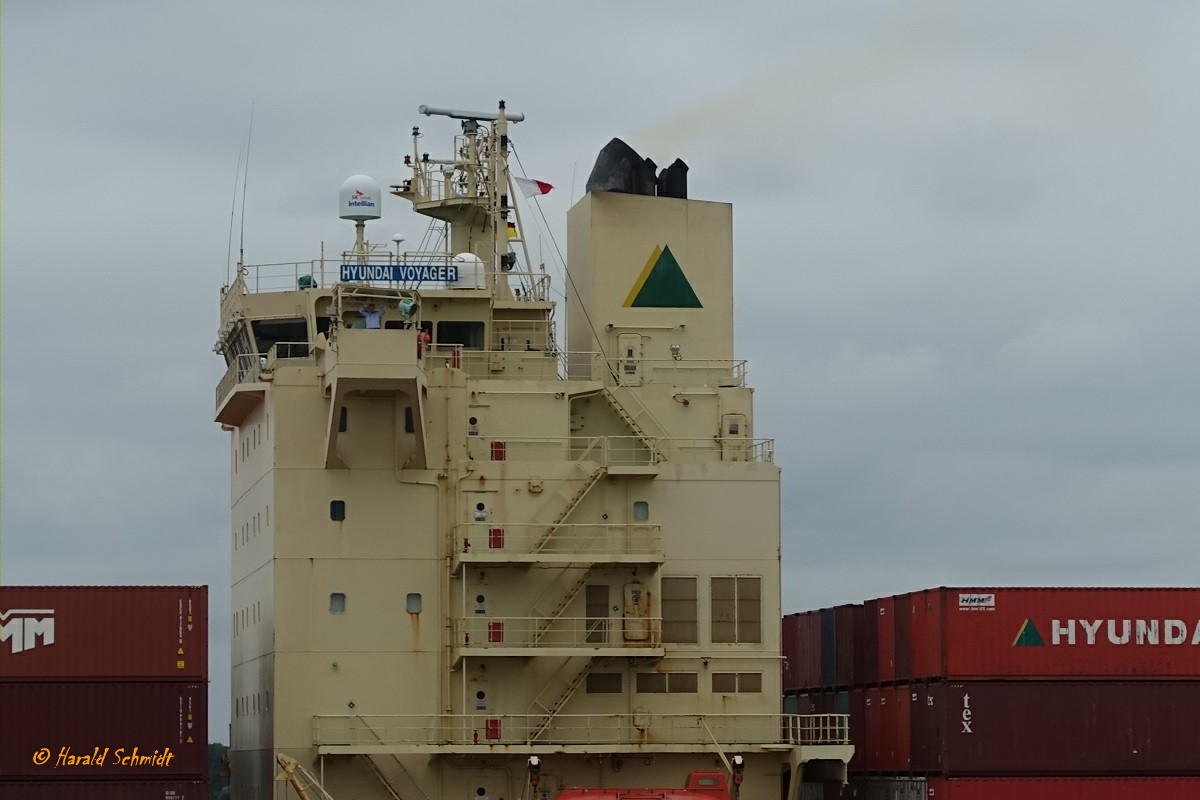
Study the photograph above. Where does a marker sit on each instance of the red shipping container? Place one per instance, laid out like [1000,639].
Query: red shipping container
[887,730]
[812,648]
[104,790]
[844,619]
[103,632]
[103,730]
[858,715]
[805,648]
[899,735]
[917,634]
[1063,633]
[886,638]
[792,668]
[1063,788]
[869,643]
[903,644]
[924,756]
[1061,727]
[872,730]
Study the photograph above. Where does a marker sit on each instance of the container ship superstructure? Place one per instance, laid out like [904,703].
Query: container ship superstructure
[464,556]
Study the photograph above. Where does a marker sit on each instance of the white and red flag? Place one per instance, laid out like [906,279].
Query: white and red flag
[530,187]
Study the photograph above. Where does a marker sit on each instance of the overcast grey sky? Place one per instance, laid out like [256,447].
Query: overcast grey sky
[965,235]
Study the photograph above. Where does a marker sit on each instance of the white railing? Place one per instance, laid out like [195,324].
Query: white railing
[484,632]
[282,276]
[605,450]
[243,369]
[569,539]
[637,729]
[675,371]
[624,450]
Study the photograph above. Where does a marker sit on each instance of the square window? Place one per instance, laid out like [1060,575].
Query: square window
[337,603]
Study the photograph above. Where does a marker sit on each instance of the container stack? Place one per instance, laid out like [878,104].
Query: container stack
[104,692]
[981,694]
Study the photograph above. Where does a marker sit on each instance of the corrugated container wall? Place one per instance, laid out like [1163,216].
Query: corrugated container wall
[107,722]
[104,790]
[828,647]
[104,633]
[1057,728]
[1058,633]
[844,619]
[1064,788]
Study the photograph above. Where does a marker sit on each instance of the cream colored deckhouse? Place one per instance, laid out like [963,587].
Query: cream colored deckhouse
[457,544]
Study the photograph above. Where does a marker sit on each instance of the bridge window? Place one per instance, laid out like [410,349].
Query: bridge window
[337,510]
[467,334]
[267,332]
[736,610]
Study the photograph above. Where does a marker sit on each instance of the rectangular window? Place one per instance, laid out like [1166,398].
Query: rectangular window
[736,610]
[413,603]
[641,511]
[679,610]
[667,682]
[596,611]
[409,426]
[604,683]
[337,510]
[733,682]
[467,334]
[342,414]
[337,603]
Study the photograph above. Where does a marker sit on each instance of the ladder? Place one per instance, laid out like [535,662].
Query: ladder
[640,420]
[566,689]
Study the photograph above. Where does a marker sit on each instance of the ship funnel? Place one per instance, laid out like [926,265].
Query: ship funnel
[619,168]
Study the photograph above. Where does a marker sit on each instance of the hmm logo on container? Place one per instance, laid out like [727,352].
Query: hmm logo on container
[976,602]
[23,626]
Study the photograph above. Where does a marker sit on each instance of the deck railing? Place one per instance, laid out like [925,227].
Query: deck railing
[636,730]
[575,539]
[486,632]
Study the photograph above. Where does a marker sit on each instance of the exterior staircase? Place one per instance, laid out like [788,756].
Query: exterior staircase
[564,685]
[637,417]
[569,492]
[567,590]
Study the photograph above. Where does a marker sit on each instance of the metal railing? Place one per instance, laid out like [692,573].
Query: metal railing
[637,729]
[282,276]
[628,633]
[676,371]
[243,369]
[574,539]
[625,450]
[605,450]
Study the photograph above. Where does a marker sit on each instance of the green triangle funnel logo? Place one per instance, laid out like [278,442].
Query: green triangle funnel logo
[662,284]
[1028,636]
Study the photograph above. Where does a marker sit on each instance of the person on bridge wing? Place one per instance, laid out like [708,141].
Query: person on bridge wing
[371,316]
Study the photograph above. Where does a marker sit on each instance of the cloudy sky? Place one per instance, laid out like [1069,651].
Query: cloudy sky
[966,242]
